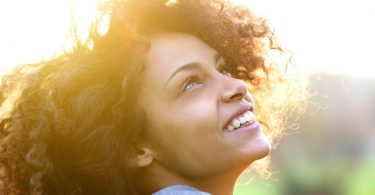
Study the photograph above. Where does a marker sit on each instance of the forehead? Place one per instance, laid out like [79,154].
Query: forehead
[169,51]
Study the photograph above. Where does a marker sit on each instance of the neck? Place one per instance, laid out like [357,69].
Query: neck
[222,184]
[157,177]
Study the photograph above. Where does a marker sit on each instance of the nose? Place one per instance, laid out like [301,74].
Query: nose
[235,90]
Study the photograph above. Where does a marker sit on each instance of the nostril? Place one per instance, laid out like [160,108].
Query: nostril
[236,96]
[234,90]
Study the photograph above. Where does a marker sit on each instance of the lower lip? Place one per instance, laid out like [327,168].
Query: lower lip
[251,127]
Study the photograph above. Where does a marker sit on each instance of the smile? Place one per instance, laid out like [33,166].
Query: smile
[244,119]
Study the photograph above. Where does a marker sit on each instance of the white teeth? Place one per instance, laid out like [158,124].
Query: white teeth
[252,117]
[230,128]
[247,117]
[242,120]
[236,123]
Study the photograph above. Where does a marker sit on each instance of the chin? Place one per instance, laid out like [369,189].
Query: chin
[265,151]
[264,147]
[260,148]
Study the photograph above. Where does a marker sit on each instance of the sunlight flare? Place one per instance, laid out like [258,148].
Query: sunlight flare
[332,36]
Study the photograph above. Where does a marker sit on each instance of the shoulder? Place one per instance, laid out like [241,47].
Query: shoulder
[180,190]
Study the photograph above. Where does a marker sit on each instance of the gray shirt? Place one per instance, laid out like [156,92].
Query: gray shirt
[180,190]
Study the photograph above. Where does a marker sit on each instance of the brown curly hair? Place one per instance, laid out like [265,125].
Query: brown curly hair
[67,123]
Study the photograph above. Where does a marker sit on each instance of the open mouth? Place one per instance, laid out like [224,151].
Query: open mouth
[242,120]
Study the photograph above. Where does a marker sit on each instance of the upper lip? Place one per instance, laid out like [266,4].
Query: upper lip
[242,109]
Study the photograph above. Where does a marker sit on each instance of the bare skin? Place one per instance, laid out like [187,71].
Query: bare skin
[189,98]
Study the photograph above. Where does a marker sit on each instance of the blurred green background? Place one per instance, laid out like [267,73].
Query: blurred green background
[333,151]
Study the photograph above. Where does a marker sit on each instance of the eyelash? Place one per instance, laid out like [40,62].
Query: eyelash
[192,79]
[195,79]
[224,69]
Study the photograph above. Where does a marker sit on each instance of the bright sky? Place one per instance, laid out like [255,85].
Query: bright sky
[336,36]
[333,36]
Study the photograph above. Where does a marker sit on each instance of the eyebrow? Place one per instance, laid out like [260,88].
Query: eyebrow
[192,66]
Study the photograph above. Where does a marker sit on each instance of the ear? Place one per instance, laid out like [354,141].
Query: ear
[142,157]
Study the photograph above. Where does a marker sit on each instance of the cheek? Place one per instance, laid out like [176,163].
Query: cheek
[198,120]
[184,121]
[200,106]
[188,133]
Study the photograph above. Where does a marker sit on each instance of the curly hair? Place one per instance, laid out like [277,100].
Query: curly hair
[67,123]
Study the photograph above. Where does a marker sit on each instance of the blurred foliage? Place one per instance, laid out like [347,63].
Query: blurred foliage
[333,151]
[311,178]
[259,186]
[362,179]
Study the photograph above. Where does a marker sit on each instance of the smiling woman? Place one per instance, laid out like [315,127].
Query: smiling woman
[163,103]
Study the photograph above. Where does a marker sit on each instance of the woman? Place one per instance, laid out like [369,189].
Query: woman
[163,103]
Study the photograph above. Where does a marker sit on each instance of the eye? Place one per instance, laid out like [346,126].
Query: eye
[225,70]
[190,84]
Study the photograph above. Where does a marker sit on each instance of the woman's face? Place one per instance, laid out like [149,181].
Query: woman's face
[190,99]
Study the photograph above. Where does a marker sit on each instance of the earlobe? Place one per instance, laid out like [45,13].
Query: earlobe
[142,158]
